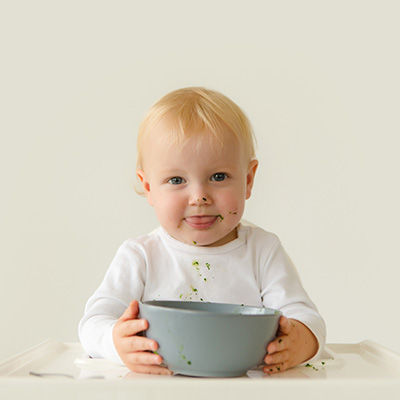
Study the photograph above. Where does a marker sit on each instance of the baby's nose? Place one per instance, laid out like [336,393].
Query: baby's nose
[200,201]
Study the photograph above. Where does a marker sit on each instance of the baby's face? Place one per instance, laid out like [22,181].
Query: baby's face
[198,191]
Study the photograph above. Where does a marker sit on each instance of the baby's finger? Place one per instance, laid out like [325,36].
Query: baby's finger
[150,369]
[131,312]
[277,358]
[284,325]
[138,343]
[133,327]
[274,368]
[143,358]
[278,344]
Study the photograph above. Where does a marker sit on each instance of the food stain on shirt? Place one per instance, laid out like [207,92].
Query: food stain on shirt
[190,295]
[201,269]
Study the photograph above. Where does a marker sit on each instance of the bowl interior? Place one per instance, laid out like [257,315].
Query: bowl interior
[213,308]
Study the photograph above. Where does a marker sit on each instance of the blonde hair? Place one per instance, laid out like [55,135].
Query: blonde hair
[193,110]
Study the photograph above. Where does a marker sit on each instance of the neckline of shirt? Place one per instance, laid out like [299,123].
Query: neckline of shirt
[190,248]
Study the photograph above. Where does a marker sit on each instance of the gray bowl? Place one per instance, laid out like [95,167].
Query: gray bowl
[210,339]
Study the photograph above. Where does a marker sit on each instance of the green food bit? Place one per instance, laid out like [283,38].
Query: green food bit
[204,199]
[194,242]
[208,266]
[311,366]
[181,295]
[280,340]
[222,218]
[189,363]
[278,368]
[205,279]
[323,362]
[195,263]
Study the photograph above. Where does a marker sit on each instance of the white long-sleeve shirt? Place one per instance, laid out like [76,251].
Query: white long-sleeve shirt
[253,269]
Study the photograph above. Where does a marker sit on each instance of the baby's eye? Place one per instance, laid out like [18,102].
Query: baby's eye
[176,180]
[219,176]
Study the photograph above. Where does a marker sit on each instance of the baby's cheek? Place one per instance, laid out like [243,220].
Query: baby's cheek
[234,213]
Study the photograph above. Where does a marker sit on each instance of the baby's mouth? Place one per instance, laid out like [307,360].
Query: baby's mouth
[201,221]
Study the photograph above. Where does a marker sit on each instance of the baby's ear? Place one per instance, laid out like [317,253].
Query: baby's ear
[251,172]
[146,185]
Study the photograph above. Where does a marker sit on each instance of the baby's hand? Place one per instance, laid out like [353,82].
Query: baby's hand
[294,344]
[136,351]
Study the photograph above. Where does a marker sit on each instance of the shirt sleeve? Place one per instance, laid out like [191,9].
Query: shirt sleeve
[123,282]
[283,290]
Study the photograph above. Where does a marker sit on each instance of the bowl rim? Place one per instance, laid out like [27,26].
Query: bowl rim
[153,303]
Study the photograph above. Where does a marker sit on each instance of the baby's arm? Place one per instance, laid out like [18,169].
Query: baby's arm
[294,344]
[136,351]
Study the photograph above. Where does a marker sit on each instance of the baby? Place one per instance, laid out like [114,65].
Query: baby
[196,163]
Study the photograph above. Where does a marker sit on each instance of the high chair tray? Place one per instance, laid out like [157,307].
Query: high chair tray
[366,370]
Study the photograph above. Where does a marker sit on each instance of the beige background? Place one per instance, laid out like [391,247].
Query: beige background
[320,82]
